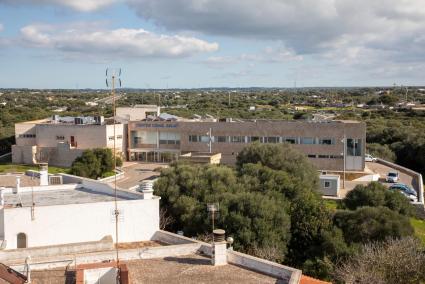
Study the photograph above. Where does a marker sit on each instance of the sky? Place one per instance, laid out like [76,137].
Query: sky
[212,43]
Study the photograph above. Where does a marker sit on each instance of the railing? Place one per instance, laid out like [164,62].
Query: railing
[417,177]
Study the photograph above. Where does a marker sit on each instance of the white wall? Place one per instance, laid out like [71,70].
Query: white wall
[74,223]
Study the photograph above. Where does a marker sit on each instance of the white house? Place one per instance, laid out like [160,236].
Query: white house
[74,213]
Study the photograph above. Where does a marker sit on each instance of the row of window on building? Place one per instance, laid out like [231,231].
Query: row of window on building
[26,135]
[269,139]
[313,156]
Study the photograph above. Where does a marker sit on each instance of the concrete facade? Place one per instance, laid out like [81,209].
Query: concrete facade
[60,143]
[322,142]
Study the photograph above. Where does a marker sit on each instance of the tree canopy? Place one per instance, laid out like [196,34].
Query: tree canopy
[94,163]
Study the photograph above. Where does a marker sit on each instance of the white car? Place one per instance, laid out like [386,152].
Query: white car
[392,177]
[369,158]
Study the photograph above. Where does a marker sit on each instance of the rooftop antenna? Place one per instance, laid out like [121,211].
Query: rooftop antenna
[212,209]
[112,79]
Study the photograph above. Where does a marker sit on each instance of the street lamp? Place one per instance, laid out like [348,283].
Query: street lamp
[344,152]
[210,140]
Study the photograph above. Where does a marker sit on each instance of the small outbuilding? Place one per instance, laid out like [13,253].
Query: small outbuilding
[330,184]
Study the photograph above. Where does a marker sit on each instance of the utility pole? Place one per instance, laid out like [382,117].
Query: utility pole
[344,140]
[114,75]
[229,98]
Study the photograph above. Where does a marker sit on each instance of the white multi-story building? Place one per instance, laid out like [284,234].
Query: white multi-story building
[60,140]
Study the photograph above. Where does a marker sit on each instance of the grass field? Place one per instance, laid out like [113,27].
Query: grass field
[331,204]
[12,168]
[419,226]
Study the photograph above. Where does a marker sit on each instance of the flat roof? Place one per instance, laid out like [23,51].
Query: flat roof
[191,269]
[179,269]
[61,197]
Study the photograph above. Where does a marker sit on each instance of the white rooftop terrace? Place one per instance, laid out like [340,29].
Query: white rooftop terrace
[78,195]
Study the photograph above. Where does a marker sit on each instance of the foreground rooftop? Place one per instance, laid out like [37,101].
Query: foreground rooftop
[191,268]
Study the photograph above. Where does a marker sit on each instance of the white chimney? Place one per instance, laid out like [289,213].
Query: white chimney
[146,188]
[219,252]
[44,174]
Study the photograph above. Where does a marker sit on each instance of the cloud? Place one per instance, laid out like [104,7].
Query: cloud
[78,5]
[1,27]
[278,54]
[343,30]
[90,41]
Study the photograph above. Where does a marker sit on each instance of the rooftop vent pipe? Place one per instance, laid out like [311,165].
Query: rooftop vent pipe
[146,188]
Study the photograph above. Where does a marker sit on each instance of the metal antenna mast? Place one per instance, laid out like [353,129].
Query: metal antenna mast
[112,78]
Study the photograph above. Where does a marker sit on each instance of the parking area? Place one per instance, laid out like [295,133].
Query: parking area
[135,173]
[383,170]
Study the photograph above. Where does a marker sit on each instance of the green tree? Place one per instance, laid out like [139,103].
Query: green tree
[381,151]
[280,157]
[376,194]
[368,224]
[94,163]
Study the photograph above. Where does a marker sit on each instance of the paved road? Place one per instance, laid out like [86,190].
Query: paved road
[135,173]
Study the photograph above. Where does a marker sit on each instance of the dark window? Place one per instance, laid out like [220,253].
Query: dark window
[271,139]
[354,147]
[324,156]
[326,141]
[193,138]
[253,139]
[311,156]
[290,140]
[220,139]
[327,184]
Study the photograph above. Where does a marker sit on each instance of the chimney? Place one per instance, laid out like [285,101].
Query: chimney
[219,251]
[44,174]
[146,188]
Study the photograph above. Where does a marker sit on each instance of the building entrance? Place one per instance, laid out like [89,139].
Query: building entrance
[154,157]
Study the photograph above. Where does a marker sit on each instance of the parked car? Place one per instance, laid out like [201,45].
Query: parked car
[369,158]
[392,177]
[406,191]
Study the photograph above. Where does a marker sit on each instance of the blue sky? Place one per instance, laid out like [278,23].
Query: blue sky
[211,43]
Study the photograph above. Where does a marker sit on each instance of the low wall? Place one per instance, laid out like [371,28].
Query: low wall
[417,177]
[287,274]
[108,255]
[39,188]
[174,239]
[67,178]
[37,252]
